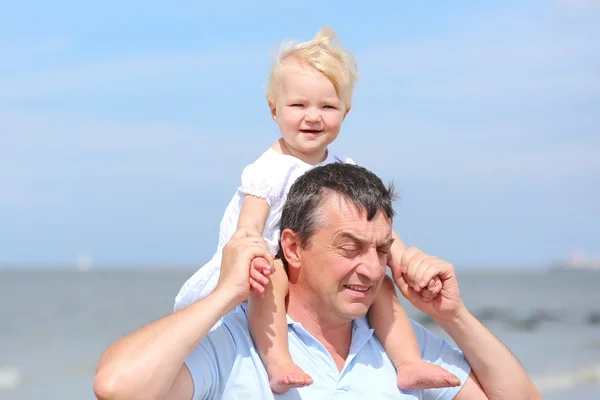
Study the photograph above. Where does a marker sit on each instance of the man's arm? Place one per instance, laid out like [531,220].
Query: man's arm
[498,375]
[149,363]
[495,373]
[146,363]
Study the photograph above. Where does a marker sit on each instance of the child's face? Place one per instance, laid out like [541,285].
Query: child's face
[308,110]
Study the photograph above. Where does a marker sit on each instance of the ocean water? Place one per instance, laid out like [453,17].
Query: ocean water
[55,324]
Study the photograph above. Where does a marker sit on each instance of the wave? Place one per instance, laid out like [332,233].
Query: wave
[514,321]
[10,377]
[587,374]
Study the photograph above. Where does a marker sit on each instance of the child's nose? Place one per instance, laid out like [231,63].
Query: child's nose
[312,115]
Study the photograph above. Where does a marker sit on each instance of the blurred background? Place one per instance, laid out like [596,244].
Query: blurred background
[124,128]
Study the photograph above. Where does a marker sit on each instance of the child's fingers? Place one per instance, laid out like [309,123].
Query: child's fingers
[435,285]
[266,271]
[430,270]
[433,288]
[262,264]
[257,288]
[258,277]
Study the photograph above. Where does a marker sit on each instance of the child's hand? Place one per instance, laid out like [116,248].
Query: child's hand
[260,269]
[433,288]
[428,290]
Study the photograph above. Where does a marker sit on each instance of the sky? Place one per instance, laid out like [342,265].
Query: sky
[124,126]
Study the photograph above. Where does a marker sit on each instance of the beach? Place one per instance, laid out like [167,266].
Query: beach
[55,324]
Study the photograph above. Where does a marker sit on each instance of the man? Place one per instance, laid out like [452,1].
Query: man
[335,231]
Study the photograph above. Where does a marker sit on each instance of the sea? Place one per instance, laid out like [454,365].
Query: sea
[54,324]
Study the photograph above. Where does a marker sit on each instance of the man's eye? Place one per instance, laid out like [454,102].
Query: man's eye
[384,250]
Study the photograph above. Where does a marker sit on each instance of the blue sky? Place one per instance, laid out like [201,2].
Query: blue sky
[124,127]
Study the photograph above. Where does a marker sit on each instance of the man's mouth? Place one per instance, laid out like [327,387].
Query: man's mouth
[357,288]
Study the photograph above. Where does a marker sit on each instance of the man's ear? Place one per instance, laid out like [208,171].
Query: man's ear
[290,246]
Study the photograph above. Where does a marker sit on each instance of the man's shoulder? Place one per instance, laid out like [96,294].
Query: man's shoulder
[228,334]
[227,338]
[224,364]
[437,350]
[235,321]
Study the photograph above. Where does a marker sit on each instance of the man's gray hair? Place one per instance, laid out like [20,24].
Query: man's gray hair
[301,212]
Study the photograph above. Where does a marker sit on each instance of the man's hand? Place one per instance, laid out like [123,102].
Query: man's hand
[246,247]
[429,284]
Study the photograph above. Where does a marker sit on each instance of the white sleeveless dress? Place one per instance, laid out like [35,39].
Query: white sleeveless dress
[269,177]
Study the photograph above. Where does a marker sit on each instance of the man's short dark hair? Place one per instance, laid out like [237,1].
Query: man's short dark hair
[356,184]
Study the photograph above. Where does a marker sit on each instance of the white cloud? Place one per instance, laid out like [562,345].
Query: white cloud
[41,155]
[72,132]
[24,50]
[463,152]
[424,55]
[67,148]
[580,4]
[475,70]
[492,105]
[552,56]
[113,72]
[505,85]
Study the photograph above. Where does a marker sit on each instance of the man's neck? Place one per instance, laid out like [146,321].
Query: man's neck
[335,336]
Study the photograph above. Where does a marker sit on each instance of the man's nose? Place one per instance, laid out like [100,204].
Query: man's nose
[371,265]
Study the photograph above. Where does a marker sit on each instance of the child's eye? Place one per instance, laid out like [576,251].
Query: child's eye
[330,107]
[297,105]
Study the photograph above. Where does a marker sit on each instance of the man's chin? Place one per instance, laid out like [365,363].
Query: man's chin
[357,310]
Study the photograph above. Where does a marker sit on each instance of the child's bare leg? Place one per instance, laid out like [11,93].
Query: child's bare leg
[394,331]
[268,326]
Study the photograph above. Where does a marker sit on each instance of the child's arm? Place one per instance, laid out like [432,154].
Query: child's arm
[253,215]
[398,248]
[395,255]
[394,331]
[266,311]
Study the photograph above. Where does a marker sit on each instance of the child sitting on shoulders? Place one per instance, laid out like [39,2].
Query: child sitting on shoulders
[309,95]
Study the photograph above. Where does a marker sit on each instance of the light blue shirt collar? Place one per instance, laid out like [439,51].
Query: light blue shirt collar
[361,333]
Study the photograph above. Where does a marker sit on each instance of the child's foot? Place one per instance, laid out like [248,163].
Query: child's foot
[288,376]
[423,375]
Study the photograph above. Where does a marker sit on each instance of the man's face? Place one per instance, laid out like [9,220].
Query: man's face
[345,260]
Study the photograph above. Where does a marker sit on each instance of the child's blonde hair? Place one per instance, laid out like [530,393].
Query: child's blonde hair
[333,61]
